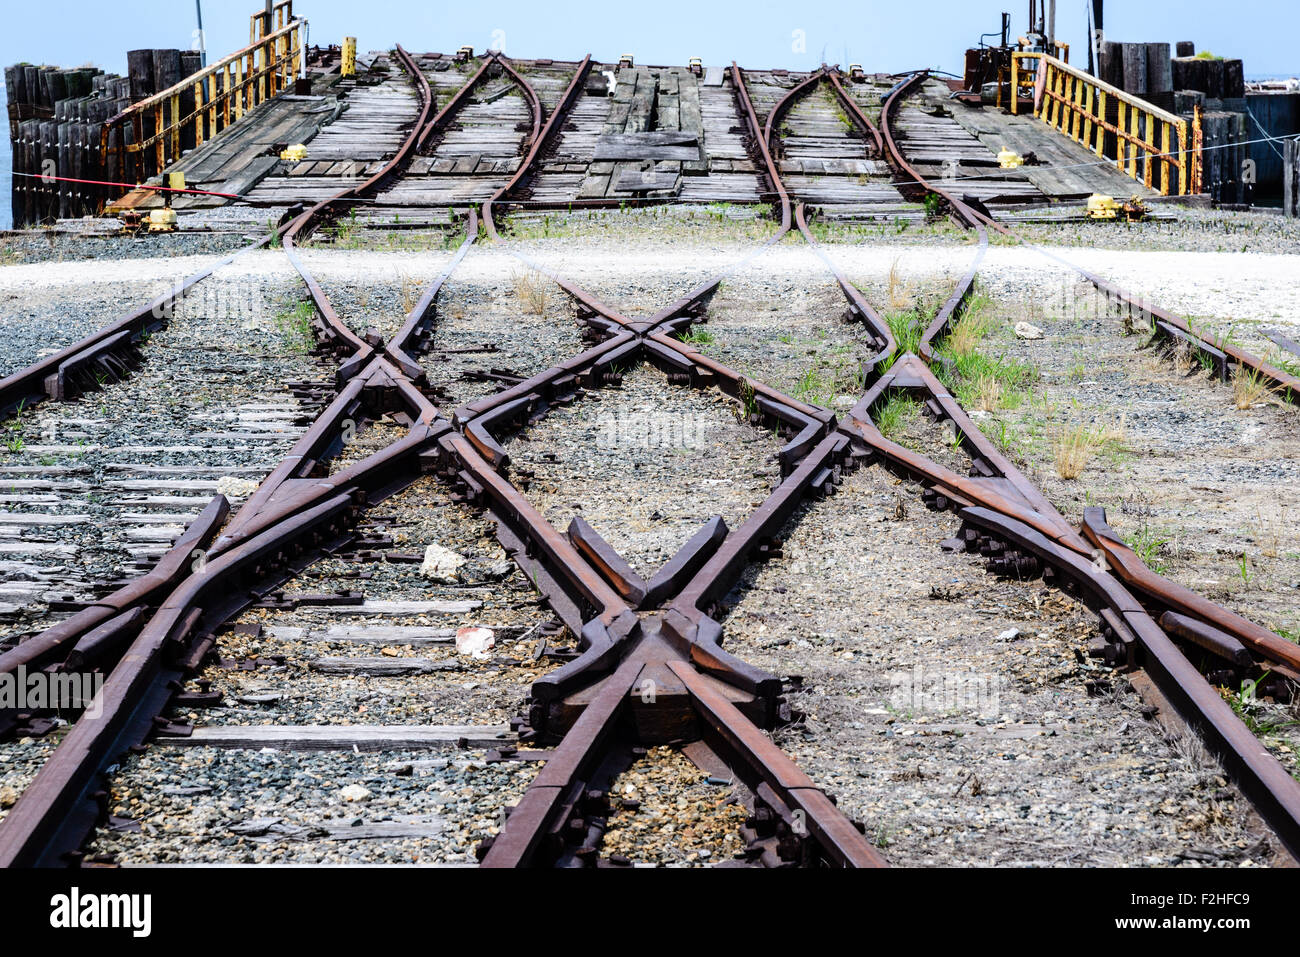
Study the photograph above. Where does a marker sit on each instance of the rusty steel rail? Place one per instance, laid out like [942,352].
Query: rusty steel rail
[1273,792]
[1164,325]
[412,339]
[540,139]
[962,214]
[759,138]
[54,814]
[651,669]
[860,119]
[105,355]
[332,333]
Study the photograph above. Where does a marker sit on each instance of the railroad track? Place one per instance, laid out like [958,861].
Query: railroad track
[627,668]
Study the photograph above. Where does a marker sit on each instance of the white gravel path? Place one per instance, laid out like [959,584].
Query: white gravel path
[1246,285]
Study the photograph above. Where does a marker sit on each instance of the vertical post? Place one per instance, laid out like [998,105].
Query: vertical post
[211,84]
[159,135]
[203,43]
[137,157]
[1165,158]
[1197,140]
[1291,178]
[1076,98]
[176,128]
[1101,121]
[1133,133]
[349,65]
[1184,181]
[1090,100]
[1121,145]
[1067,117]
[1063,118]
[1049,101]
[1149,138]
[198,113]
[1015,84]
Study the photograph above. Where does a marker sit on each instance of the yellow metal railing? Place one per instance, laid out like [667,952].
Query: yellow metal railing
[281,17]
[148,136]
[1148,143]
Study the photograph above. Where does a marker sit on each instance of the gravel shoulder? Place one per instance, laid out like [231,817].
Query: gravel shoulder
[950,711]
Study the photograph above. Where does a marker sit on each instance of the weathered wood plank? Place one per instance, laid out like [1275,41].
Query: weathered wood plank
[332,737]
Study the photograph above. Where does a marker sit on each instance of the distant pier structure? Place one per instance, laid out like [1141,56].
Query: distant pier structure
[73,131]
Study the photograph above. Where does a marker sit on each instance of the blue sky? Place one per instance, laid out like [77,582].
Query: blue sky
[884,36]
[888,36]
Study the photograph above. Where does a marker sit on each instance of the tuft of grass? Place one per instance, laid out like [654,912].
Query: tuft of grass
[1073,451]
[1262,720]
[1248,387]
[295,326]
[1284,361]
[989,382]
[748,400]
[907,328]
[1149,545]
[1077,445]
[533,291]
[900,291]
[410,293]
[699,336]
[965,335]
[819,384]
[897,412]
[978,379]
[987,389]
[347,231]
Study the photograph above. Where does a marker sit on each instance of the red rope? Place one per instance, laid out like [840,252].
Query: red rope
[161,189]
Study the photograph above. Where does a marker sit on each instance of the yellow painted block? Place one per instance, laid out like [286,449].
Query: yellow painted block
[1010,159]
[294,154]
[1102,207]
[162,220]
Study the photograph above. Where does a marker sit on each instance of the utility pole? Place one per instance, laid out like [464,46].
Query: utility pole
[203,43]
[1095,40]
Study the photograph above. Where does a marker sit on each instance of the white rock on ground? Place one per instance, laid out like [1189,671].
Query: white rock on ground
[1027,330]
[474,641]
[440,564]
[354,792]
[232,487]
